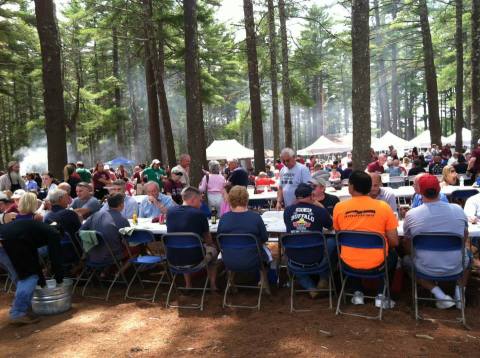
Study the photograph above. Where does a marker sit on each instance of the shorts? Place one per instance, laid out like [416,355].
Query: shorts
[211,254]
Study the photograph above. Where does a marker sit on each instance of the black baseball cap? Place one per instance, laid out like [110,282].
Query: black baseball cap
[303,191]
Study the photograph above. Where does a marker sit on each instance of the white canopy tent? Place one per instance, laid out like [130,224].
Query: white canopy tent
[228,149]
[382,143]
[466,137]
[423,140]
[323,145]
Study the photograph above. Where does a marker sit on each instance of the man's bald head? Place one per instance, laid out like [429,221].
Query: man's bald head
[415,182]
[376,184]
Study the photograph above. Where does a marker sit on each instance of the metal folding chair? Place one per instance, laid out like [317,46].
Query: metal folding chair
[396,182]
[241,253]
[141,262]
[185,254]
[463,194]
[95,268]
[362,240]
[305,254]
[438,242]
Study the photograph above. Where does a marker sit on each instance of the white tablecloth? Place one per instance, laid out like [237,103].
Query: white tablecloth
[273,221]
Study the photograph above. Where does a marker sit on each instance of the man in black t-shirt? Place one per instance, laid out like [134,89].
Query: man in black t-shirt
[308,215]
[238,175]
[416,168]
[189,218]
[327,200]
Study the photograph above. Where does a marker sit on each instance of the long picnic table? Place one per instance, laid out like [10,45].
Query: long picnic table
[273,222]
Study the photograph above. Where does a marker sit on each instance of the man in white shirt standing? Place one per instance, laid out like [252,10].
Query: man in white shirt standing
[291,175]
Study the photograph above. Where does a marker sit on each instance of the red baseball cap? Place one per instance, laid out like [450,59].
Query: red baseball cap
[428,185]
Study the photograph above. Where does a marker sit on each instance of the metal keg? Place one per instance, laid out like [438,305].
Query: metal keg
[53,299]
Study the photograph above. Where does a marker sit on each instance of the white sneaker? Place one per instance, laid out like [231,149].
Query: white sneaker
[381,300]
[443,305]
[357,298]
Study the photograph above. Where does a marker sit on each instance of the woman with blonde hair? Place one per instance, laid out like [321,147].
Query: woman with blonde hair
[240,220]
[27,207]
[449,176]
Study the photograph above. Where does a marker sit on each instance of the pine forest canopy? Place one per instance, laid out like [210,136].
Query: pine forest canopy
[145,79]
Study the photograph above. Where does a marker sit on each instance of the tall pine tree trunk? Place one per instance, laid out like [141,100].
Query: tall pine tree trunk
[475,82]
[394,103]
[117,100]
[152,102]
[53,87]
[287,116]
[360,84]
[382,76]
[430,76]
[459,82]
[160,87]
[195,127]
[254,86]
[273,78]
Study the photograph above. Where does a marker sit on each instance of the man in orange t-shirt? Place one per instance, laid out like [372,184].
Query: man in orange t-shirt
[362,213]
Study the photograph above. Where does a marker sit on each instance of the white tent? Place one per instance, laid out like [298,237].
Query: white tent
[466,137]
[382,143]
[228,149]
[423,140]
[323,145]
[345,139]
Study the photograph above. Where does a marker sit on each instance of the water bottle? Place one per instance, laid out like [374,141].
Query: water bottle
[462,181]
[214,215]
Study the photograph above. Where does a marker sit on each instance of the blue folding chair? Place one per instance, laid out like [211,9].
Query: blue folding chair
[95,268]
[241,253]
[140,263]
[305,254]
[185,254]
[367,241]
[463,194]
[438,242]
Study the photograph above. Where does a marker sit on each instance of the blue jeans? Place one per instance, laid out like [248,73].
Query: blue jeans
[306,281]
[6,264]
[23,296]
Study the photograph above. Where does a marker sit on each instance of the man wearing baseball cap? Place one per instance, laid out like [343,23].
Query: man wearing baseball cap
[308,215]
[155,173]
[436,216]
[327,200]
[5,218]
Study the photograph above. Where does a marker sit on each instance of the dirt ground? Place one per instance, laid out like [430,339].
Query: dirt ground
[93,328]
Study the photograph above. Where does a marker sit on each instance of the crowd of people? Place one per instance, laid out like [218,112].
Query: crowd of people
[38,211]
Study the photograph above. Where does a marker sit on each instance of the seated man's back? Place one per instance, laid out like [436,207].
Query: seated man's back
[108,223]
[362,213]
[305,215]
[436,217]
[187,219]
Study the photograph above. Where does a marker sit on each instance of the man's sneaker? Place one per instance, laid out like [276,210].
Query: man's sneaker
[381,300]
[322,284]
[443,305]
[23,320]
[357,298]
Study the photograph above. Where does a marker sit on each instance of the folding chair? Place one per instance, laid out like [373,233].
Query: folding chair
[396,182]
[362,240]
[305,254]
[70,251]
[95,268]
[438,242]
[141,262]
[463,194]
[185,254]
[241,253]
